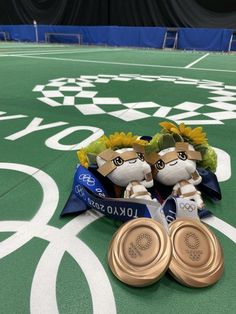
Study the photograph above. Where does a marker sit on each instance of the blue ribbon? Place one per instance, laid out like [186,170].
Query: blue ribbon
[83,177]
[209,185]
[88,192]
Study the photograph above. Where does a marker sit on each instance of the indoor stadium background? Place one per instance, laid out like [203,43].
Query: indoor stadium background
[71,71]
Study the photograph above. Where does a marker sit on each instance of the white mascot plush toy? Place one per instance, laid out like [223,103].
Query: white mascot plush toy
[127,168]
[174,163]
[175,153]
[177,166]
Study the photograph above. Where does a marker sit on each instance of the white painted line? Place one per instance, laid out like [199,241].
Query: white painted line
[122,113]
[223,93]
[54,84]
[124,79]
[149,76]
[188,79]
[43,292]
[86,94]
[43,298]
[84,84]
[69,101]
[166,79]
[223,115]
[59,51]
[52,93]
[186,82]
[87,109]
[141,105]
[71,80]
[106,101]
[130,75]
[106,76]
[184,115]
[102,80]
[230,87]
[223,98]
[144,79]
[196,61]
[210,82]
[36,46]
[189,106]
[197,122]
[44,213]
[89,77]
[222,105]
[223,170]
[66,51]
[125,63]
[204,86]
[162,112]
[172,77]
[129,115]
[15,116]
[225,228]
[49,101]
[39,51]
[69,89]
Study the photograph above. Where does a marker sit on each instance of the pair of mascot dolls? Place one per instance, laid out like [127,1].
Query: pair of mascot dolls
[168,162]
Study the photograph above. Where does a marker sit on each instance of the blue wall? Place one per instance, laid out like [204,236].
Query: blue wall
[152,37]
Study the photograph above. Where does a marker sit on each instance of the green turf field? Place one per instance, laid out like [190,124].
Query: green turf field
[55,99]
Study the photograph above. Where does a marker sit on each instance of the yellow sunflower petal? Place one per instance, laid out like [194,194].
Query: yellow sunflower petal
[182,127]
[196,131]
[167,125]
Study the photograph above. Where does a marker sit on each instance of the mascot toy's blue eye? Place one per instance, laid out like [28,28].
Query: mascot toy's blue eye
[118,161]
[182,155]
[160,164]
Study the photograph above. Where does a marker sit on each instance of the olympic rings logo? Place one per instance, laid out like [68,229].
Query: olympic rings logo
[187,206]
[87,178]
[60,240]
[79,189]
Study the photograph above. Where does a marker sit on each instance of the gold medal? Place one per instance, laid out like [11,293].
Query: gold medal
[197,257]
[140,252]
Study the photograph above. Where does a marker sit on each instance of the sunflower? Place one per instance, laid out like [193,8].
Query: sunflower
[114,141]
[194,136]
[121,140]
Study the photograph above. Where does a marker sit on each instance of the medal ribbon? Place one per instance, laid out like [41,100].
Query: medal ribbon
[88,192]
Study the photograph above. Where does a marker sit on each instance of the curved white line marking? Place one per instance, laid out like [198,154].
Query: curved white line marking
[43,290]
[44,213]
[223,170]
[225,228]
[46,289]
[48,185]
[62,240]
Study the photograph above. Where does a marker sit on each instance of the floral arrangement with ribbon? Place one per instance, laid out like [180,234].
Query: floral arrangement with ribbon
[178,157]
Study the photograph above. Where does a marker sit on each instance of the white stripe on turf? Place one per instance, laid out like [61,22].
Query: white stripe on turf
[196,61]
[122,63]
[225,228]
